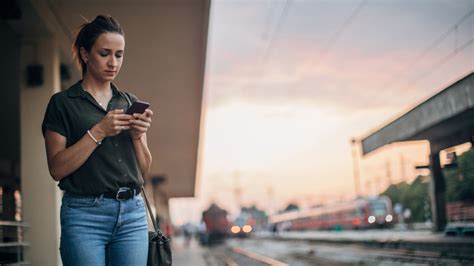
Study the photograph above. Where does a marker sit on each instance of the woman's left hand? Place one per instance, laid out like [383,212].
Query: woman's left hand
[140,123]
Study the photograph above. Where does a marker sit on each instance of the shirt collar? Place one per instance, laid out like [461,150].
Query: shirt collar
[77,91]
[115,90]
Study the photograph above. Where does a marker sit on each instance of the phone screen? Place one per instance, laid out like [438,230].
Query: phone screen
[138,107]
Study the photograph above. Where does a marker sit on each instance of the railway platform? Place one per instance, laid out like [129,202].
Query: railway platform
[393,239]
[329,247]
[188,253]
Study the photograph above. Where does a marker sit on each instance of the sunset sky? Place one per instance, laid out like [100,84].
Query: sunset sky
[289,83]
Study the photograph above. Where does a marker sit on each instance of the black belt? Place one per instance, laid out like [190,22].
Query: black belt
[122,194]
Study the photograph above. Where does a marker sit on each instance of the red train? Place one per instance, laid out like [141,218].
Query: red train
[243,225]
[216,225]
[361,213]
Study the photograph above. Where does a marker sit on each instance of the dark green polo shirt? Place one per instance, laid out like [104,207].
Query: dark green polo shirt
[113,163]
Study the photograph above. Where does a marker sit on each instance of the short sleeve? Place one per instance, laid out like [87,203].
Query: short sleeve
[53,118]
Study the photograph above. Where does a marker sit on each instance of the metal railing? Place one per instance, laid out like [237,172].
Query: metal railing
[460,212]
[12,243]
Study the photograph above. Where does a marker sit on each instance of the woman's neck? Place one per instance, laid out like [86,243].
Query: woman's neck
[93,85]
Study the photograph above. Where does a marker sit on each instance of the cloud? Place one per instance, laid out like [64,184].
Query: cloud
[368,66]
[284,118]
[359,83]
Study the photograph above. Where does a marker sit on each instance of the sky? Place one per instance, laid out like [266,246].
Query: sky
[289,83]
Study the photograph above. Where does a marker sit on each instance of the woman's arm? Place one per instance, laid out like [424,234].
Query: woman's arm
[143,155]
[63,161]
[139,125]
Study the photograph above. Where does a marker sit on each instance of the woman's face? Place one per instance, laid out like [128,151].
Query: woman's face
[105,58]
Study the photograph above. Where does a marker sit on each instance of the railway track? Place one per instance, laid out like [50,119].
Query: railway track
[260,252]
[417,256]
[233,256]
[256,251]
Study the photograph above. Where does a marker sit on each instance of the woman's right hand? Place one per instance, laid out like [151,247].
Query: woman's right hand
[112,124]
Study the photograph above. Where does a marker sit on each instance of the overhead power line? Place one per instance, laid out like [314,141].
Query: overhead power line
[267,52]
[268,21]
[272,40]
[336,35]
[441,62]
[428,49]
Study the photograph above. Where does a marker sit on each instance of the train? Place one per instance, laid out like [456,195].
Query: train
[243,225]
[215,226]
[361,213]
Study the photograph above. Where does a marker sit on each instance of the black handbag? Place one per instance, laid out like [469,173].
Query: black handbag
[159,249]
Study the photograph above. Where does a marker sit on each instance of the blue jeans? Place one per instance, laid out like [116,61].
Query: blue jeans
[103,231]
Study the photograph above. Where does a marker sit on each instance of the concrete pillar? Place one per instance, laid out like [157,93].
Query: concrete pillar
[41,197]
[161,205]
[10,121]
[162,209]
[437,192]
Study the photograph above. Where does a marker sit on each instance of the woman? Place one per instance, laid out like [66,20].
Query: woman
[99,154]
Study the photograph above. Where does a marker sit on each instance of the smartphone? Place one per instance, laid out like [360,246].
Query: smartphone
[137,107]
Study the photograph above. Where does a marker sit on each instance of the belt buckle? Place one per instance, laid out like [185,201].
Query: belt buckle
[120,191]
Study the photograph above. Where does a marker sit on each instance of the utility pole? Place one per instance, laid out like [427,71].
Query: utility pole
[378,184]
[388,171]
[270,199]
[368,187]
[238,191]
[355,166]
[402,168]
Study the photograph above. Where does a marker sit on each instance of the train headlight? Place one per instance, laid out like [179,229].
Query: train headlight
[388,218]
[235,229]
[371,219]
[247,228]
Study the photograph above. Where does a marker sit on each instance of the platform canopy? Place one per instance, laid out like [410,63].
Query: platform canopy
[446,119]
[164,64]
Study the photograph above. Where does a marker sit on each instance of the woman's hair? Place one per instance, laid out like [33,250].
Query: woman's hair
[88,34]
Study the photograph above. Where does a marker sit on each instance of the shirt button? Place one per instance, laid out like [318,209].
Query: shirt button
[125,175]
[116,145]
[119,160]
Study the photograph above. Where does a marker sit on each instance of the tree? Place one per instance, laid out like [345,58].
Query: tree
[460,180]
[415,198]
[291,207]
[411,196]
[459,187]
[395,192]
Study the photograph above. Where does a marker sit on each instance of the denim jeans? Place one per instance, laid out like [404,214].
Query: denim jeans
[102,231]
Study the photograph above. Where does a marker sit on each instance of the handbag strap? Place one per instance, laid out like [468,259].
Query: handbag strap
[153,220]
